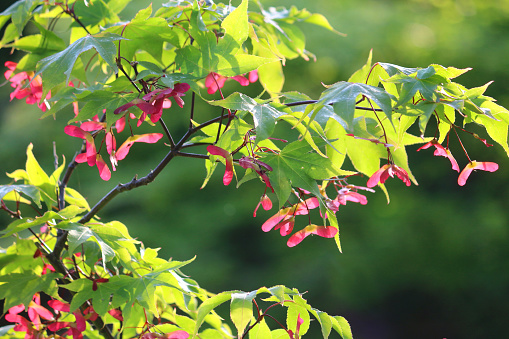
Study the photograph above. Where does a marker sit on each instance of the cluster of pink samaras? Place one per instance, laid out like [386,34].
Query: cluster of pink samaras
[151,104]
[471,166]
[284,219]
[26,86]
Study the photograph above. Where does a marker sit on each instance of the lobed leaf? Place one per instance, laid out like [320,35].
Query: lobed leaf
[50,68]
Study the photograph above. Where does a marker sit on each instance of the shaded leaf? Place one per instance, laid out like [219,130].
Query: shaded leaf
[344,96]
[57,68]
[28,190]
[19,288]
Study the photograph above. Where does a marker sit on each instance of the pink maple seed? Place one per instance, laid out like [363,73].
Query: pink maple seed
[276,219]
[242,80]
[57,305]
[386,171]
[138,102]
[400,173]
[149,138]
[213,82]
[91,126]
[104,171]
[180,334]
[345,195]
[111,143]
[253,76]
[303,207]
[265,202]
[322,231]
[77,132]
[475,165]
[35,308]
[228,174]
[441,151]
[285,227]
[376,177]
[117,314]
[120,124]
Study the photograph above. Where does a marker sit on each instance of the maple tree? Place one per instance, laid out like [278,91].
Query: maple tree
[119,73]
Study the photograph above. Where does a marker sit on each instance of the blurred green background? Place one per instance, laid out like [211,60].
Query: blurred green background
[432,264]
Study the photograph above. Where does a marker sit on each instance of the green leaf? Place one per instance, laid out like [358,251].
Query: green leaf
[364,155]
[395,69]
[208,305]
[361,75]
[78,234]
[142,29]
[320,20]
[336,151]
[295,311]
[125,290]
[73,197]
[224,57]
[236,29]
[10,34]
[241,310]
[39,178]
[297,164]
[325,322]
[271,74]
[20,12]
[99,100]
[497,129]
[57,68]
[342,326]
[260,331]
[344,96]
[44,43]
[25,223]
[423,110]
[264,115]
[98,12]
[30,190]
[423,82]
[304,130]
[19,288]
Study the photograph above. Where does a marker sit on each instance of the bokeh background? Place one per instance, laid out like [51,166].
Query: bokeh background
[432,264]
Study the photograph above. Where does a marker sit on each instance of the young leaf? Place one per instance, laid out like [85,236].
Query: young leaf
[241,310]
[325,322]
[294,312]
[208,305]
[340,325]
[39,178]
[260,331]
